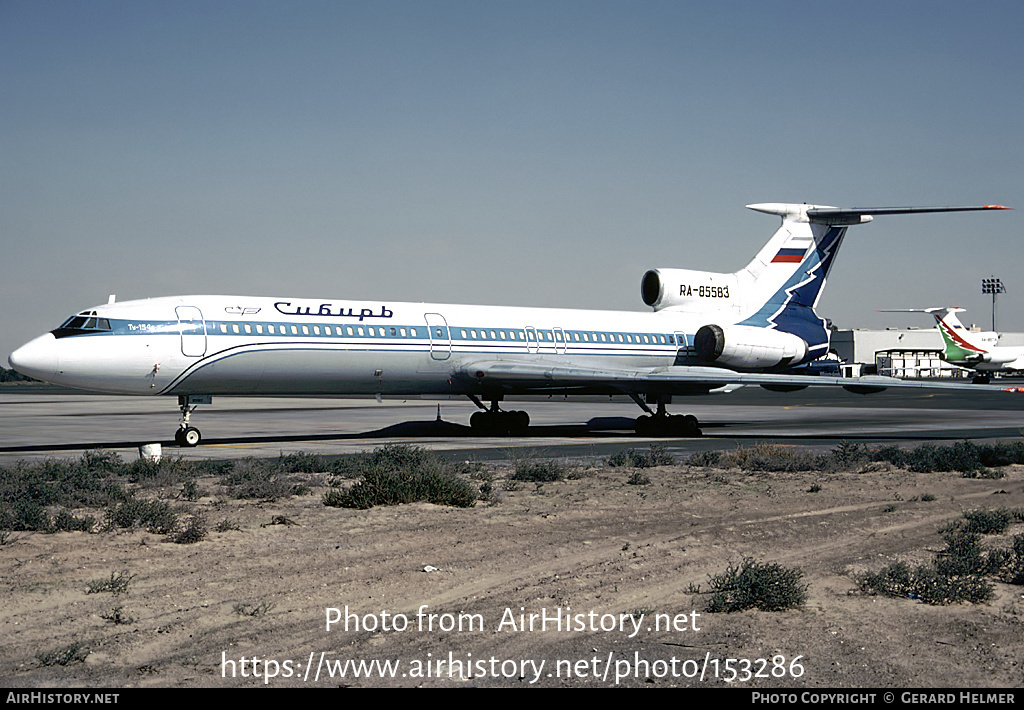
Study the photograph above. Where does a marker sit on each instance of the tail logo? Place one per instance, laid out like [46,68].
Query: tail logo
[791,308]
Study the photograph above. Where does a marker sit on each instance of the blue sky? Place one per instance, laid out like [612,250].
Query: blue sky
[519,153]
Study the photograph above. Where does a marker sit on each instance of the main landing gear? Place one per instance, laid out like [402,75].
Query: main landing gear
[661,423]
[188,435]
[496,422]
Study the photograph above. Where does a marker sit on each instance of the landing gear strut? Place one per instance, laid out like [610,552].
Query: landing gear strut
[496,422]
[661,423]
[188,435]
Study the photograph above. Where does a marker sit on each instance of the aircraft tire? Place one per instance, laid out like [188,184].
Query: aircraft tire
[489,423]
[690,426]
[519,422]
[188,437]
[478,422]
[499,423]
[644,425]
[662,426]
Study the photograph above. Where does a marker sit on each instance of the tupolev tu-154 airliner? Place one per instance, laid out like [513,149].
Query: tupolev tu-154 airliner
[707,331]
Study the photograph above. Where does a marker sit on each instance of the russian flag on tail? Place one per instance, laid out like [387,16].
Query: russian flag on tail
[789,256]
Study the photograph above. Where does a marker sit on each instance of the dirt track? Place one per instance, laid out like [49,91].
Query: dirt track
[594,544]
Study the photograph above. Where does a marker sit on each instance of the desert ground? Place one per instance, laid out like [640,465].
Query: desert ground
[445,595]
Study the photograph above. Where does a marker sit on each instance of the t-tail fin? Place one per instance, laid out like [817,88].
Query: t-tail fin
[781,286]
[819,230]
[787,277]
[961,346]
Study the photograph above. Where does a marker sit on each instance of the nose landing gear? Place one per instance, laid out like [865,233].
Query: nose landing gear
[187,435]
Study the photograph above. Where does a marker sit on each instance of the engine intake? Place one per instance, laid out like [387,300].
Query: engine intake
[684,289]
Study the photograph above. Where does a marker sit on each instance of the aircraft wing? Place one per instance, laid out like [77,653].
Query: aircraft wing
[539,377]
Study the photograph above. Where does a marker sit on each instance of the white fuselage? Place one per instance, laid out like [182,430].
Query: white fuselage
[267,346]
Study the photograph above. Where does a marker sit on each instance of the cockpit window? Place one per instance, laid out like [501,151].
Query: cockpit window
[74,322]
[82,324]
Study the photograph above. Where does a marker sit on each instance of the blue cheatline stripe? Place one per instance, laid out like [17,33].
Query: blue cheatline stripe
[515,336]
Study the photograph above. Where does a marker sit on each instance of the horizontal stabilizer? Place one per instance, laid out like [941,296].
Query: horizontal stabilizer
[855,215]
[822,214]
[922,310]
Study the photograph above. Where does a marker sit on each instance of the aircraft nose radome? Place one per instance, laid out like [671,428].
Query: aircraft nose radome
[37,358]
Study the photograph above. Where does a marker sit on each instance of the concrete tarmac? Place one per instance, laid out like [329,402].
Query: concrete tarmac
[42,421]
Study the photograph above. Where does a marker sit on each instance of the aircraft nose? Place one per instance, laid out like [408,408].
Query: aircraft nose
[37,358]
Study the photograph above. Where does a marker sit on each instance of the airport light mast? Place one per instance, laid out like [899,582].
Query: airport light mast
[995,287]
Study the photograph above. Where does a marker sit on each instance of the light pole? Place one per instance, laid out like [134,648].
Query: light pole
[994,286]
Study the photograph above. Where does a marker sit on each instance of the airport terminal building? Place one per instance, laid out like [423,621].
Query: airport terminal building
[901,352]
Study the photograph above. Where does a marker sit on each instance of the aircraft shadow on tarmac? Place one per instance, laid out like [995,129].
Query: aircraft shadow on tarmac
[596,428]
